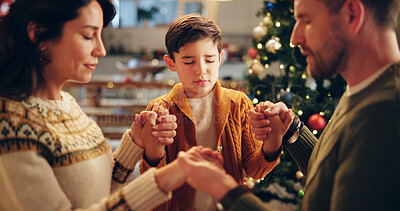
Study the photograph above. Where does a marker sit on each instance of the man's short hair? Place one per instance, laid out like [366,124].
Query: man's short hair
[385,12]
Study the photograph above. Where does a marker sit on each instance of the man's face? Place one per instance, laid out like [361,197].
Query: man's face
[320,36]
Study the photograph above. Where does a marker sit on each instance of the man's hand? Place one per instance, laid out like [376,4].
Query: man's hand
[269,123]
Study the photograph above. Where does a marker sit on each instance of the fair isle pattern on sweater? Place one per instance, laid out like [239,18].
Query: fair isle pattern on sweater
[58,130]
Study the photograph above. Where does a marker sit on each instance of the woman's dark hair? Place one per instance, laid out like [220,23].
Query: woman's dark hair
[20,58]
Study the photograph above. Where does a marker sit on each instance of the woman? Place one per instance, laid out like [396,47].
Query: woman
[52,156]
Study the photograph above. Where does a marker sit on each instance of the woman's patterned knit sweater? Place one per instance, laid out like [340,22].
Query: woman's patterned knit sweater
[54,157]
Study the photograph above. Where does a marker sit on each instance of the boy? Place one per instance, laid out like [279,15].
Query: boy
[208,114]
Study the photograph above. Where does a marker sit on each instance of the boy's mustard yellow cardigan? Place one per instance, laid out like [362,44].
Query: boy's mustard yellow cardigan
[242,153]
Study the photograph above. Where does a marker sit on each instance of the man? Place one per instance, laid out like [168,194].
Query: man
[354,165]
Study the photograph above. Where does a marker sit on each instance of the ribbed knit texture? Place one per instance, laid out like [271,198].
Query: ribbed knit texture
[235,142]
[149,197]
[301,150]
[128,152]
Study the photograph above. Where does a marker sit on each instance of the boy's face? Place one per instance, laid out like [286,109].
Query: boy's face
[197,65]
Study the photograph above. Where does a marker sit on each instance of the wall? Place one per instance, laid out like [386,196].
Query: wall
[235,18]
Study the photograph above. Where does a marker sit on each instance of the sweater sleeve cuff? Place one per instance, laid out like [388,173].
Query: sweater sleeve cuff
[144,165]
[128,153]
[143,193]
[301,149]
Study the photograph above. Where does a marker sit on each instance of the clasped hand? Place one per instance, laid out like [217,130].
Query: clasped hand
[269,122]
[152,130]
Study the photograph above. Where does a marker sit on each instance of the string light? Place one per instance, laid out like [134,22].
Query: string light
[154,62]
[171,82]
[110,85]
[233,85]
[278,24]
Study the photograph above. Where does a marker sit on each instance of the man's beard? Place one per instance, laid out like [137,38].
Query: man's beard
[331,60]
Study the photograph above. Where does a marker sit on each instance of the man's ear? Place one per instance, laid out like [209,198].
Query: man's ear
[170,63]
[355,14]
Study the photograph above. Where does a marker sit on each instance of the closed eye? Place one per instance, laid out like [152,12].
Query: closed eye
[87,38]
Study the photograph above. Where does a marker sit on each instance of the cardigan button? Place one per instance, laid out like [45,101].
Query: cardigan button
[219,148]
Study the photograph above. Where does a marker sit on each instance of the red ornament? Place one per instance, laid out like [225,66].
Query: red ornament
[128,79]
[316,122]
[252,53]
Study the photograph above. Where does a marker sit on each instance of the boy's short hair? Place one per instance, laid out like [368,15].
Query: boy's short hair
[191,28]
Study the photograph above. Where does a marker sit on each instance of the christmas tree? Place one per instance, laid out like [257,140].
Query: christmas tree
[277,73]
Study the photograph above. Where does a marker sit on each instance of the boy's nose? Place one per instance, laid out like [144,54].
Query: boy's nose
[201,68]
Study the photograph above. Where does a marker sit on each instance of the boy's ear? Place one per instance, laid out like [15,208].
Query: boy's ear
[170,63]
[355,14]
[220,56]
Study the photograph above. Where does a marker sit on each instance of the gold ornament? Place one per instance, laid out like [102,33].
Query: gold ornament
[259,32]
[267,21]
[299,175]
[257,67]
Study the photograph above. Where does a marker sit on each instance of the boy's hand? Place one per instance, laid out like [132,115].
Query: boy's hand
[152,130]
[276,127]
[260,125]
[141,119]
[165,132]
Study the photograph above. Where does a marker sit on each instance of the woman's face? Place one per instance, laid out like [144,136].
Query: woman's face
[75,55]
